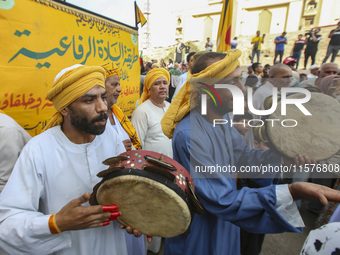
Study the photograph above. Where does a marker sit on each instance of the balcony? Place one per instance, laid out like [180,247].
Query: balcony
[310,12]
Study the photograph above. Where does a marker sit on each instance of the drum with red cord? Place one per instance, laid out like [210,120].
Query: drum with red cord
[154,192]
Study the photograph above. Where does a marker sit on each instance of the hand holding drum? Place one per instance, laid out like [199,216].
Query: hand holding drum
[154,193]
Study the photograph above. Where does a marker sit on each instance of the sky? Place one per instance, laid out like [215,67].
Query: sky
[161,19]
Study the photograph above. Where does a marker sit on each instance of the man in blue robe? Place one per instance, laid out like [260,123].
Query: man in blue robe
[202,147]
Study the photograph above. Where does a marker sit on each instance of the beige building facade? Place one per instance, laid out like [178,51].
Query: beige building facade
[268,16]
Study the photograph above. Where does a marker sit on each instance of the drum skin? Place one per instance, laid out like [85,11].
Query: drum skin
[153,192]
[147,205]
[316,136]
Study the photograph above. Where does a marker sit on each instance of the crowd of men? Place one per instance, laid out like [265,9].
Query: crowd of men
[44,205]
[307,43]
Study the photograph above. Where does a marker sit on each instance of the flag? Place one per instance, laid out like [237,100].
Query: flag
[224,28]
[140,18]
[141,62]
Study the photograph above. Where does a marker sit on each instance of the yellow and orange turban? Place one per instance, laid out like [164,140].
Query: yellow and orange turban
[70,84]
[150,78]
[187,98]
[111,69]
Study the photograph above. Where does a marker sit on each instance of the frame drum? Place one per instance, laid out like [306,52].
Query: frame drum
[154,192]
[316,136]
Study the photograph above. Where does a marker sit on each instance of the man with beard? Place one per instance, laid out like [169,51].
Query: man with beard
[44,206]
[119,121]
[151,109]
[197,143]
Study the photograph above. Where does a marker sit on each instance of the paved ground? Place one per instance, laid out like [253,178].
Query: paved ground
[289,243]
[286,243]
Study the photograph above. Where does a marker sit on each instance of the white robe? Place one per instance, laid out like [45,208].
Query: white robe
[147,121]
[50,172]
[12,139]
[122,134]
[183,79]
[261,94]
[135,245]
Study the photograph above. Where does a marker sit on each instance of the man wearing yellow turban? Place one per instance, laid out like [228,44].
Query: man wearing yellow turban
[213,153]
[152,107]
[71,84]
[118,119]
[44,205]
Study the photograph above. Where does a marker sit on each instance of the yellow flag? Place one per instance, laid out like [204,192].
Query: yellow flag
[139,16]
[224,28]
[36,53]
